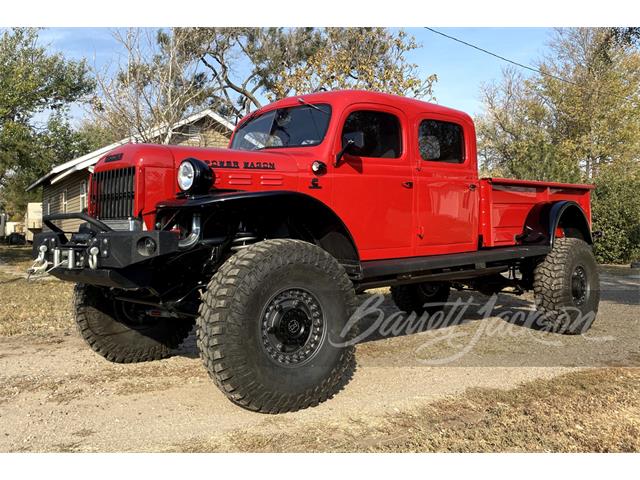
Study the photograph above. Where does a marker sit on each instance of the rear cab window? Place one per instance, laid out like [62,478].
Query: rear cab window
[440,141]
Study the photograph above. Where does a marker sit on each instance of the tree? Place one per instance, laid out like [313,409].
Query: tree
[46,147]
[616,212]
[155,86]
[577,120]
[624,36]
[514,138]
[359,58]
[34,85]
[546,128]
[170,73]
[249,65]
[246,63]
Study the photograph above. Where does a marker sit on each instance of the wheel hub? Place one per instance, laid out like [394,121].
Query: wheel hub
[429,289]
[132,315]
[292,327]
[579,286]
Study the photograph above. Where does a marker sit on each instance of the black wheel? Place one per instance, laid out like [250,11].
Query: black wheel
[567,287]
[270,330]
[413,297]
[122,332]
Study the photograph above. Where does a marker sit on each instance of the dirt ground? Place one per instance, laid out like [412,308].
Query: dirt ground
[478,383]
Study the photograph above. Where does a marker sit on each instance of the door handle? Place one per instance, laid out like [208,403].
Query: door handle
[472,186]
[407,184]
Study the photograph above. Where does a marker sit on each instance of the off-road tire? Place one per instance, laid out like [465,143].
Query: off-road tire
[118,342]
[412,297]
[231,336]
[556,286]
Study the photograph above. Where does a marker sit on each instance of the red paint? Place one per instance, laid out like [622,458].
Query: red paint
[506,204]
[444,211]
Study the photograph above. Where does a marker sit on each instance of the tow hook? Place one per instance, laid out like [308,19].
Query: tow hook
[40,264]
[93,257]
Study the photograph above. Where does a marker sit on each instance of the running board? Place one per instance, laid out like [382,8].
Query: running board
[463,263]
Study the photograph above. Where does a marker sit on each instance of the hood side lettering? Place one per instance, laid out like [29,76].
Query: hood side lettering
[245,165]
[260,165]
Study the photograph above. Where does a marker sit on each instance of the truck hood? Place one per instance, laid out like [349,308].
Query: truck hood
[156,168]
[246,170]
[238,160]
[170,156]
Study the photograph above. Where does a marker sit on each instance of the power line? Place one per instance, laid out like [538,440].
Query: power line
[521,65]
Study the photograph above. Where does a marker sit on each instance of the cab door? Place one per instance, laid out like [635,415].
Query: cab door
[447,185]
[373,188]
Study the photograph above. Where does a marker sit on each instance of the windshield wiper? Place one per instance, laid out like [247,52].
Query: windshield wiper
[302,100]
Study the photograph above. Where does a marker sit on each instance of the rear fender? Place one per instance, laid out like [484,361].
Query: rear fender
[545,220]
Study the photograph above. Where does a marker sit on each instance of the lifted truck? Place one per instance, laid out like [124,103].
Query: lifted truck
[264,245]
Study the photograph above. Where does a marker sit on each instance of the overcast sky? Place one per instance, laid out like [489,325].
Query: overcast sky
[461,70]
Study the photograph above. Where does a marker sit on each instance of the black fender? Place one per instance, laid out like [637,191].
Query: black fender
[569,215]
[237,202]
[544,219]
[200,203]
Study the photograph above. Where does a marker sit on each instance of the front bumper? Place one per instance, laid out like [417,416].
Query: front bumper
[98,255]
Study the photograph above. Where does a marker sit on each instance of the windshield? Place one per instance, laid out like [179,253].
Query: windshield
[298,126]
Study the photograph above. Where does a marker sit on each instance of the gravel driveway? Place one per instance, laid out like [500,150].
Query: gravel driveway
[56,395]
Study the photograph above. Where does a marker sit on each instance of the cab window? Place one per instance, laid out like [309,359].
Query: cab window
[441,141]
[381,133]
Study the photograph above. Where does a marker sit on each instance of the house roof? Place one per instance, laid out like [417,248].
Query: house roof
[59,172]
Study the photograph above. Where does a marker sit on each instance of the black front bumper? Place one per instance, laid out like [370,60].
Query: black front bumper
[98,255]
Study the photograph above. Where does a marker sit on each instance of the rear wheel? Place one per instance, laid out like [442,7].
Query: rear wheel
[567,287]
[271,323]
[122,332]
[423,297]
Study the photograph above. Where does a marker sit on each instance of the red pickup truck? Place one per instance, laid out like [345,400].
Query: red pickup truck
[264,245]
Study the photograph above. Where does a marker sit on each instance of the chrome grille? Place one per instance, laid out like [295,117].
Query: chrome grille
[113,193]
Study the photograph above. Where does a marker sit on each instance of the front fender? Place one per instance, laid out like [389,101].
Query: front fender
[328,229]
[212,200]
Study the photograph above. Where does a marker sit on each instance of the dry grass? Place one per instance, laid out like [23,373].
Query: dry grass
[589,411]
[36,307]
[16,256]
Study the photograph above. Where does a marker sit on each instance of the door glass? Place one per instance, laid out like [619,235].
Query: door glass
[441,141]
[381,133]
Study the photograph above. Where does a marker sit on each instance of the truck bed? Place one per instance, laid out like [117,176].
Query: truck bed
[506,203]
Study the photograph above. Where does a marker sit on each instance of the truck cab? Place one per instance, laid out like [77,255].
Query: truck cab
[318,197]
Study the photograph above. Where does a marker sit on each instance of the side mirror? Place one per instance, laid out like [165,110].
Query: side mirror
[351,142]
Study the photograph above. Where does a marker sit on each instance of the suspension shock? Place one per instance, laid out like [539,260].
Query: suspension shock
[244,237]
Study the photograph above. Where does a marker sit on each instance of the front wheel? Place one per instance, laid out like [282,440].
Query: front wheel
[123,332]
[271,323]
[566,285]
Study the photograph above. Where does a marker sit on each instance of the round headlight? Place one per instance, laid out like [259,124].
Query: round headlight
[194,176]
[186,175]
